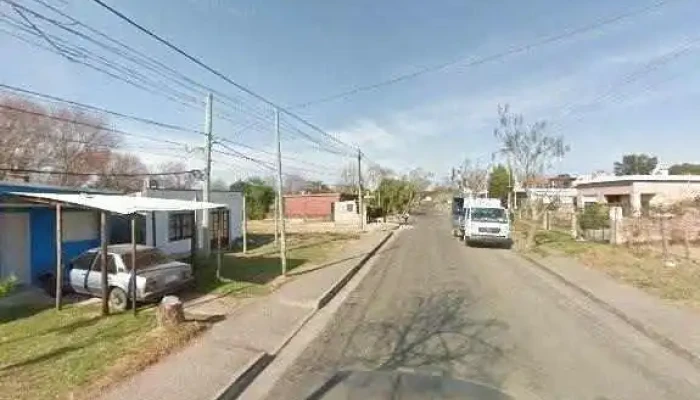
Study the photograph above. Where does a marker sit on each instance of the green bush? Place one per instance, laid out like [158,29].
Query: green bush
[594,216]
[7,285]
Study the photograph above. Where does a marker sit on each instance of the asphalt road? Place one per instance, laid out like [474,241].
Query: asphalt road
[432,305]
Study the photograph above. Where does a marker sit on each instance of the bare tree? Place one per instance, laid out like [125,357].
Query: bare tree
[374,176]
[472,176]
[175,181]
[420,178]
[23,136]
[530,151]
[122,164]
[348,178]
[36,138]
[219,184]
[294,183]
[80,144]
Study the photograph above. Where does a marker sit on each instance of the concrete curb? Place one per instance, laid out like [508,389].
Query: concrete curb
[644,329]
[240,382]
[253,369]
[333,290]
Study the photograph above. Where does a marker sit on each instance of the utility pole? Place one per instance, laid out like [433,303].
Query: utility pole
[206,189]
[277,220]
[244,218]
[361,199]
[280,198]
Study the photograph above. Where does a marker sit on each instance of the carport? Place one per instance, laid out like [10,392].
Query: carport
[106,205]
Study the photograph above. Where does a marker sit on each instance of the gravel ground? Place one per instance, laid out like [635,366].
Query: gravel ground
[434,306]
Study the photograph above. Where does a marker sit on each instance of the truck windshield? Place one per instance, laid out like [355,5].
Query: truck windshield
[489,215]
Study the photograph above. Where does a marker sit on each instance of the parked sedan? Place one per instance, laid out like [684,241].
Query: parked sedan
[157,274]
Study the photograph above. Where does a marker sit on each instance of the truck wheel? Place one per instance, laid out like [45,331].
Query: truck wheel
[118,300]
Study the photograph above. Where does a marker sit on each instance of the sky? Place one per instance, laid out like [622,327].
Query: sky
[626,87]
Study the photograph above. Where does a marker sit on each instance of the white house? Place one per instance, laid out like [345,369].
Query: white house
[173,232]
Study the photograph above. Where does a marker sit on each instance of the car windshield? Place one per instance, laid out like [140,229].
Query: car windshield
[489,215]
[146,258]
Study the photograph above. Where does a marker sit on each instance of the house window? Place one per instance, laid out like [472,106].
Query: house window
[179,226]
[350,207]
[214,218]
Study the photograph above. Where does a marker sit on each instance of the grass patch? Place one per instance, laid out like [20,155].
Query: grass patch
[48,354]
[250,273]
[641,268]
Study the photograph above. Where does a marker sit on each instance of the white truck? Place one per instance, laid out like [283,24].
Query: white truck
[486,221]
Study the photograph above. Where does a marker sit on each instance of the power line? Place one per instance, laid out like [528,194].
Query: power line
[94,126]
[159,66]
[50,172]
[99,109]
[492,57]
[212,70]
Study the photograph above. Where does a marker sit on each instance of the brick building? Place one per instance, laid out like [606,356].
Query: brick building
[310,206]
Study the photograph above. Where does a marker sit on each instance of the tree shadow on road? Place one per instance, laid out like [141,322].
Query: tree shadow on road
[434,334]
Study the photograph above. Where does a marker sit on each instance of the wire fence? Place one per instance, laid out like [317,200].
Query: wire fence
[671,231]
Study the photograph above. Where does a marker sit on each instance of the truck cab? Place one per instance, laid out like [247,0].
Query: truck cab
[486,221]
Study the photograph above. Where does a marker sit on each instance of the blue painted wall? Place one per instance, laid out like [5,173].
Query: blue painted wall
[42,223]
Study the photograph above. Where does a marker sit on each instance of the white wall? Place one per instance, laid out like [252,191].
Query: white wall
[234,201]
[14,246]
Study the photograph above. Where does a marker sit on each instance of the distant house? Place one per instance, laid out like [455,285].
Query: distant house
[173,232]
[317,206]
[28,231]
[636,193]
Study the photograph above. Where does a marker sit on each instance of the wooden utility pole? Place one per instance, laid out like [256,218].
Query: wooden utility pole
[103,263]
[361,200]
[206,190]
[59,257]
[280,198]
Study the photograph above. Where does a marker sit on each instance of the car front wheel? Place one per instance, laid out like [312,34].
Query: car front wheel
[118,300]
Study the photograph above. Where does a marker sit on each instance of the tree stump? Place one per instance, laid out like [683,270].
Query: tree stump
[170,312]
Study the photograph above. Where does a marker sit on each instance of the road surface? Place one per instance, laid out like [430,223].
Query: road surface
[432,305]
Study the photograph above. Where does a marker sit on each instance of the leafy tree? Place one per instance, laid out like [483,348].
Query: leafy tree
[259,196]
[499,182]
[397,195]
[635,164]
[684,169]
[595,216]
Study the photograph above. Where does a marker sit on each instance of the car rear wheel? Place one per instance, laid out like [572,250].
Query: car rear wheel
[118,300]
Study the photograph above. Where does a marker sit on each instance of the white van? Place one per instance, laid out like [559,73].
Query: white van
[486,222]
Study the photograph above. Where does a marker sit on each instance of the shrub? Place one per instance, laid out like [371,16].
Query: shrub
[7,285]
[594,216]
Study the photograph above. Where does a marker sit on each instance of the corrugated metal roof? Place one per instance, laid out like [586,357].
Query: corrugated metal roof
[120,204]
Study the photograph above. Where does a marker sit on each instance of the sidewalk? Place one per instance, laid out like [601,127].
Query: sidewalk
[221,362]
[675,328]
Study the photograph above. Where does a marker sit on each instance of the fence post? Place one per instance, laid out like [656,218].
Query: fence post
[574,225]
[664,238]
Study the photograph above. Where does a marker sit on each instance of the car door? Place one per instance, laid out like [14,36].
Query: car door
[94,278]
[78,271]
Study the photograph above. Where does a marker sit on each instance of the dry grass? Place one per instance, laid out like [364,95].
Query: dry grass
[642,268]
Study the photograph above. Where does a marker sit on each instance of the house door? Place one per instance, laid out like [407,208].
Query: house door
[14,246]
